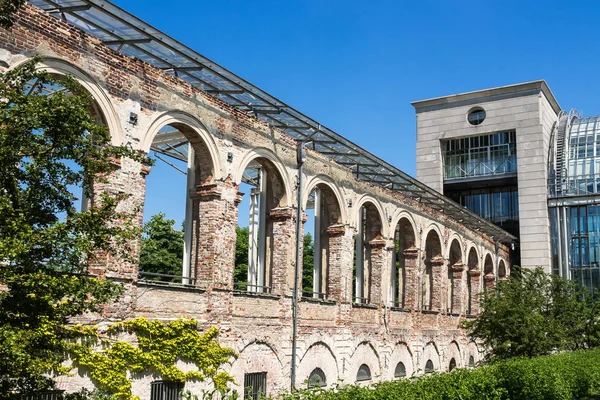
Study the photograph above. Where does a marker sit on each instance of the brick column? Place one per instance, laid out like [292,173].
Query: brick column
[474,275]
[489,280]
[127,182]
[437,289]
[458,292]
[281,250]
[339,269]
[376,266]
[214,218]
[411,270]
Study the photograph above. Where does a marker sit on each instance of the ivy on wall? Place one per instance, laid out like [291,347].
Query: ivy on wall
[159,346]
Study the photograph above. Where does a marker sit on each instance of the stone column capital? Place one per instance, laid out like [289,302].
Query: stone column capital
[281,213]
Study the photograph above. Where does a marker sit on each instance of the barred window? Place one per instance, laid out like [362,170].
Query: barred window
[165,390]
[255,385]
[317,378]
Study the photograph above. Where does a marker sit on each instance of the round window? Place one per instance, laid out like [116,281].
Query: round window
[476,116]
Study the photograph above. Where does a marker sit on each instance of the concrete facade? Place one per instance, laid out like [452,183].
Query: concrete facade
[445,264]
[531,111]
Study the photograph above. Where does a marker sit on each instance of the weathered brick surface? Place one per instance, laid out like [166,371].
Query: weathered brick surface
[333,334]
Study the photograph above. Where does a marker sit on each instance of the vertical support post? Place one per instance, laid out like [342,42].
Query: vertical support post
[318,268]
[411,259]
[395,294]
[187,226]
[253,241]
[262,231]
[301,157]
[360,258]
[556,212]
[565,226]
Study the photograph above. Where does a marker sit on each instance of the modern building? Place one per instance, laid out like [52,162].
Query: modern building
[512,156]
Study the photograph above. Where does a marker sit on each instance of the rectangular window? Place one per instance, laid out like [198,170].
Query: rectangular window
[165,390]
[255,385]
[484,155]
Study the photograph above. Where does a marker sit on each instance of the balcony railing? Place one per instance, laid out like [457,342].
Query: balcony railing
[480,168]
[575,185]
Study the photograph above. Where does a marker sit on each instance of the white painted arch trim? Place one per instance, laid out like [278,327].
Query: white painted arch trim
[181,117]
[399,214]
[327,181]
[365,198]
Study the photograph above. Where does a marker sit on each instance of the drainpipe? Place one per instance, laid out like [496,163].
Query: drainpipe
[301,158]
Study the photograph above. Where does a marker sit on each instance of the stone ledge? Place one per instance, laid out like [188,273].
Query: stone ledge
[170,286]
[319,301]
[431,312]
[370,306]
[400,309]
[242,293]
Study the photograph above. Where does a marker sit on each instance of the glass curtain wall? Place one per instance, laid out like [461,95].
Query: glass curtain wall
[499,206]
[584,157]
[485,155]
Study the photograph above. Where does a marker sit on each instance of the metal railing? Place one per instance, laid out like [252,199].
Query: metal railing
[246,287]
[481,168]
[165,390]
[165,278]
[42,395]
[574,185]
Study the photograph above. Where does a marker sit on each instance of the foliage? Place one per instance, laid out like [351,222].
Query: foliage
[534,313]
[159,347]
[7,8]
[162,246]
[308,263]
[241,255]
[564,376]
[49,142]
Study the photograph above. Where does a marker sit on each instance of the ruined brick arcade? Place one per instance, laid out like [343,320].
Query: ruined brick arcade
[418,271]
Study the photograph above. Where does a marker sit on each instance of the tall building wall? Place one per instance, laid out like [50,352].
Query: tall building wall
[530,110]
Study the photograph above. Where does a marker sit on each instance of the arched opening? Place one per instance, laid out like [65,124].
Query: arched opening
[471,362]
[363,374]
[322,211]
[404,238]
[317,378]
[455,258]
[400,371]
[473,264]
[264,191]
[452,364]
[502,269]
[368,229]
[488,271]
[433,252]
[429,367]
[171,215]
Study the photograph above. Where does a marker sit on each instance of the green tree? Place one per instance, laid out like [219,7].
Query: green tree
[7,9]
[162,247]
[533,314]
[240,275]
[308,263]
[48,143]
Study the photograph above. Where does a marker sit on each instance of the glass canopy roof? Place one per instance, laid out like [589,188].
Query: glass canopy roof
[127,34]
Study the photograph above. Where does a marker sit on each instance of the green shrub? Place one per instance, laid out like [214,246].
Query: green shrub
[573,375]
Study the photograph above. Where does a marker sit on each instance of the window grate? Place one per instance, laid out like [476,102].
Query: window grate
[255,385]
[44,395]
[165,390]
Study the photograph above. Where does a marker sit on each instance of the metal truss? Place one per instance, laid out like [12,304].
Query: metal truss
[127,34]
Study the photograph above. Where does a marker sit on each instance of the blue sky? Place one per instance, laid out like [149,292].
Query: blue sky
[355,66]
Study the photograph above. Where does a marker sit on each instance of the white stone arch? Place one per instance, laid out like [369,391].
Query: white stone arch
[433,227]
[472,350]
[453,351]
[181,117]
[325,180]
[454,236]
[60,66]
[401,353]
[318,355]
[502,262]
[430,352]
[262,152]
[487,253]
[398,215]
[472,246]
[365,353]
[258,356]
[365,198]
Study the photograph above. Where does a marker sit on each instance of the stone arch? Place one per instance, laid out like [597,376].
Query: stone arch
[258,356]
[472,351]
[454,282]
[502,273]
[369,247]
[404,214]
[323,180]
[401,353]
[404,238]
[364,353]
[59,66]
[453,352]
[488,264]
[430,352]
[205,148]
[473,272]
[318,355]
[365,200]
[431,283]
[454,251]
[274,164]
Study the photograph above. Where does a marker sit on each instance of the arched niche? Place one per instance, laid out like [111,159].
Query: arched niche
[404,238]
[433,254]
[367,271]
